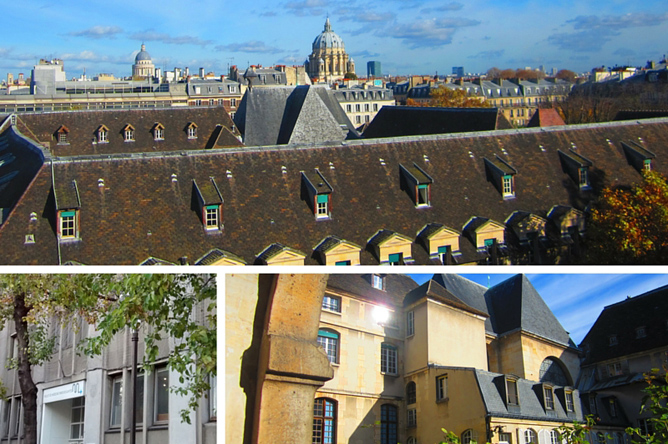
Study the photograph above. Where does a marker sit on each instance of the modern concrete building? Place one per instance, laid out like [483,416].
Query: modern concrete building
[88,400]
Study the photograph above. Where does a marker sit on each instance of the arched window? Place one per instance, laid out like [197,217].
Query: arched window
[469,436]
[388,424]
[551,370]
[411,393]
[324,421]
[329,340]
[411,440]
[530,437]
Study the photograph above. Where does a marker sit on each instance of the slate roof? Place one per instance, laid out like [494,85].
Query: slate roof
[82,126]
[395,121]
[531,407]
[292,115]
[142,212]
[396,287]
[649,310]
[433,290]
[511,305]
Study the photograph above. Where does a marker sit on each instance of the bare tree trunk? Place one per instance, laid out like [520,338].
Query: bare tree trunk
[28,387]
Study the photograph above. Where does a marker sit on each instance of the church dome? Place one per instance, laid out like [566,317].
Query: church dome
[327,38]
[142,55]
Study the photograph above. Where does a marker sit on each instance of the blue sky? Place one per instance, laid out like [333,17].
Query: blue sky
[577,299]
[406,36]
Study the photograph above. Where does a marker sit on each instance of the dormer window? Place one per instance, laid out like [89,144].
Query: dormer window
[638,156]
[548,395]
[378,281]
[210,203]
[318,194]
[62,135]
[641,332]
[502,175]
[128,133]
[68,205]
[512,395]
[158,132]
[102,134]
[570,404]
[191,129]
[417,183]
[577,167]
[612,340]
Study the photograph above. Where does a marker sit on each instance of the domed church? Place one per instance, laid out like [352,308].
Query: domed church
[328,61]
[143,66]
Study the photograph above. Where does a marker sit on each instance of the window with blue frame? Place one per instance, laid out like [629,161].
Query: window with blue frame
[324,421]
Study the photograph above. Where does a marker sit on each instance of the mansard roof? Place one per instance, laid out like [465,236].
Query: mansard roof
[511,305]
[396,121]
[433,290]
[82,125]
[144,207]
[396,286]
[647,310]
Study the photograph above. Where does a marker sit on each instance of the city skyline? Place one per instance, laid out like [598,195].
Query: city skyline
[407,37]
[576,299]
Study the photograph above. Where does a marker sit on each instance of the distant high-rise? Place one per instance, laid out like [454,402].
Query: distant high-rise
[373,69]
[458,71]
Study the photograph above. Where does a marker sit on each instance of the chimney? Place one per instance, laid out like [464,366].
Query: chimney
[183,260]
[201,73]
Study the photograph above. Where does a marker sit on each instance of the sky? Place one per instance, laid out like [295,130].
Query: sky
[576,299]
[406,36]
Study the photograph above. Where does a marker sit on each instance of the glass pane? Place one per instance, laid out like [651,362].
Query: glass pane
[162,395]
[139,415]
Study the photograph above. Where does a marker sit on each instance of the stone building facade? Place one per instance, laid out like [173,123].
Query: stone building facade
[328,61]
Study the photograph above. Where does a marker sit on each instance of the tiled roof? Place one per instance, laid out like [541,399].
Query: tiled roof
[396,287]
[433,290]
[545,117]
[145,206]
[82,127]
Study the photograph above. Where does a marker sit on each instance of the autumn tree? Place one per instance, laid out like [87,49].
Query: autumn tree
[630,225]
[160,305]
[451,98]
[565,74]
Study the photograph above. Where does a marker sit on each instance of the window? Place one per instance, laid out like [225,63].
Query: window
[410,323]
[613,407]
[508,188]
[211,217]
[469,436]
[505,438]
[388,359]
[213,398]
[6,410]
[16,416]
[411,393]
[388,424]
[612,340]
[102,135]
[329,340]
[367,118]
[554,437]
[349,108]
[77,422]
[358,119]
[331,303]
[441,387]
[411,440]
[423,195]
[615,369]
[159,134]
[375,107]
[324,421]
[412,418]
[68,224]
[233,102]
[641,332]
[570,405]
[129,134]
[358,108]
[211,101]
[366,107]
[377,282]
[530,437]
[116,402]
[192,131]
[584,177]
[592,403]
[549,398]
[162,394]
[322,206]
[62,137]
[342,263]
[139,406]
[647,164]
[512,396]
[395,258]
